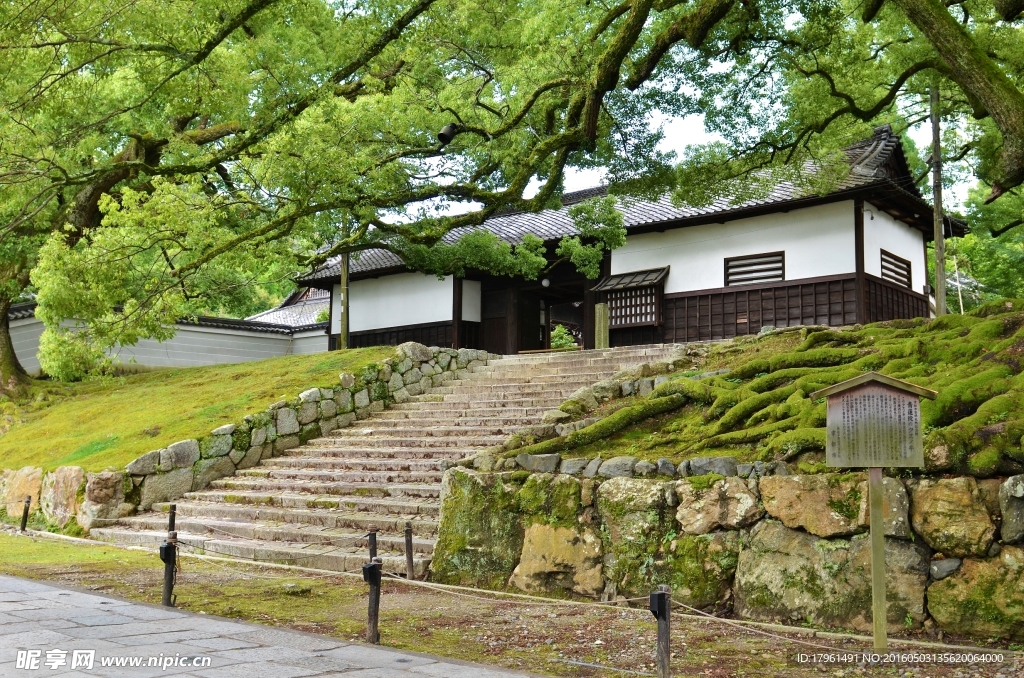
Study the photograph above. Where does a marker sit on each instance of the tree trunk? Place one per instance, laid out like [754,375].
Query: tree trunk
[13,378]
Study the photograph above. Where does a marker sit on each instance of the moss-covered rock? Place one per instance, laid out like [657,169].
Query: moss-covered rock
[789,575]
[984,598]
[950,516]
[700,568]
[633,531]
[480,534]
[727,503]
[557,559]
[549,499]
[826,505]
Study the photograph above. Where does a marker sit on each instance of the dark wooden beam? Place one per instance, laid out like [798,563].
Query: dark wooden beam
[858,248]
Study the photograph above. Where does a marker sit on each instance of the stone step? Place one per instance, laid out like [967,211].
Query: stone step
[365,489]
[328,475]
[466,419]
[255,500]
[265,531]
[334,516]
[353,464]
[424,441]
[424,409]
[375,430]
[468,403]
[317,556]
[352,451]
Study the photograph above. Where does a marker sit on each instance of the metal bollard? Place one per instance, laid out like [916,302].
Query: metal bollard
[24,512]
[371,575]
[661,608]
[410,570]
[169,554]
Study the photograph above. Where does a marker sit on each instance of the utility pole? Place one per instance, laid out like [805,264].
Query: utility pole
[343,305]
[938,218]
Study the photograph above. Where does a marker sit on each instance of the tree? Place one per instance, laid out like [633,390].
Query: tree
[151,148]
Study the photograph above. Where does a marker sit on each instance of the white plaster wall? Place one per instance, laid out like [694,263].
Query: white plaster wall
[25,335]
[471,300]
[311,341]
[399,299]
[881,231]
[818,241]
[196,345]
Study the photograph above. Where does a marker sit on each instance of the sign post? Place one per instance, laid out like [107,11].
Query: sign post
[874,422]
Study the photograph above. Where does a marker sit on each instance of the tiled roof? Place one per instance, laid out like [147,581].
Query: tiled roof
[627,281]
[294,315]
[22,311]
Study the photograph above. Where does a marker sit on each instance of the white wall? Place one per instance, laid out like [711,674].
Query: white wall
[471,300]
[397,300]
[818,241]
[25,334]
[882,232]
[192,345]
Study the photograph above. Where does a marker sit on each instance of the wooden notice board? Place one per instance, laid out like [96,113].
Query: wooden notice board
[874,421]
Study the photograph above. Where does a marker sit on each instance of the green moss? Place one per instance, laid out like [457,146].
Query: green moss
[480,536]
[700,569]
[704,482]
[849,505]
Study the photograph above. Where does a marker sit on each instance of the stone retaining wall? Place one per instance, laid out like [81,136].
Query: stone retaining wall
[770,544]
[97,499]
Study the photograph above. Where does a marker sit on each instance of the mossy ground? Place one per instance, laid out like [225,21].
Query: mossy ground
[760,408]
[109,421]
[541,639]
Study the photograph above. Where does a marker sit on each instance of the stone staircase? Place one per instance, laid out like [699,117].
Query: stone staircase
[313,505]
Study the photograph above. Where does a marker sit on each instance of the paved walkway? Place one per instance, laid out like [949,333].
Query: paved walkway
[52,628]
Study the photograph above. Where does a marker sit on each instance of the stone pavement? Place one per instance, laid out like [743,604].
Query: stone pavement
[47,624]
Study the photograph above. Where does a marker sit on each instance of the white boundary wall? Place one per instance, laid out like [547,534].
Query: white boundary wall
[471,300]
[191,346]
[882,232]
[818,241]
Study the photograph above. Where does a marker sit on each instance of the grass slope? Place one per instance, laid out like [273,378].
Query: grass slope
[110,421]
[760,408]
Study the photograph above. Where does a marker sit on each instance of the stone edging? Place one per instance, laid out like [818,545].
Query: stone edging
[96,499]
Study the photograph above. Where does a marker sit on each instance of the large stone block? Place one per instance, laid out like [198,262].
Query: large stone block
[727,503]
[1011,505]
[328,409]
[216,446]
[362,399]
[310,396]
[826,504]
[344,401]
[308,413]
[208,470]
[180,455]
[286,443]
[396,382]
[251,458]
[287,422]
[617,467]
[416,352]
[985,598]
[559,559]
[60,492]
[950,516]
[480,534]
[167,486]
[539,463]
[895,508]
[723,466]
[789,575]
[104,494]
[25,482]
[700,568]
[632,510]
[146,464]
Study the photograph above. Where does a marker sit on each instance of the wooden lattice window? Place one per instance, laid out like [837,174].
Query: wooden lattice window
[895,269]
[755,268]
[634,299]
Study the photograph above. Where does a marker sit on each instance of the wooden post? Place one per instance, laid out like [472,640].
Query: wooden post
[169,554]
[601,326]
[372,539]
[343,305]
[410,570]
[664,634]
[938,220]
[456,312]
[371,573]
[878,608]
[24,512]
